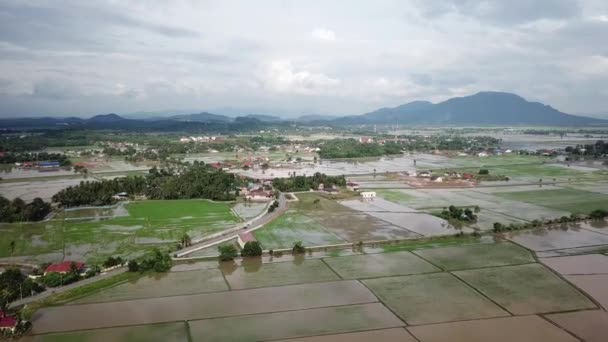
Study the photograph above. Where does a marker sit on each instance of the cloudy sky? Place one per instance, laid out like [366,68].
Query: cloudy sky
[296,57]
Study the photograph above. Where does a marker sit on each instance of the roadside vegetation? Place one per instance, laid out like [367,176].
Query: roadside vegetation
[305,183]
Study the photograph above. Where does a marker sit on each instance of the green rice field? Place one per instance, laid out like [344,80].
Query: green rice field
[572,200]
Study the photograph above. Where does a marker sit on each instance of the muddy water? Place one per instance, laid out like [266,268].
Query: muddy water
[423,224]
[385,335]
[201,306]
[558,238]
[379,265]
[254,273]
[295,324]
[170,332]
[594,285]
[520,329]
[361,227]
[591,326]
[578,264]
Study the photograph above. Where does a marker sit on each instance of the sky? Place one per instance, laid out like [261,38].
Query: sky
[81,58]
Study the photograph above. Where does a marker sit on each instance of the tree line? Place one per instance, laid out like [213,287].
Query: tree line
[23,157]
[600,148]
[305,183]
[17,210]
[193,181]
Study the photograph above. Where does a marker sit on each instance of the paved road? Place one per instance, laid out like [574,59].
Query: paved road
[233,233]
[61,289]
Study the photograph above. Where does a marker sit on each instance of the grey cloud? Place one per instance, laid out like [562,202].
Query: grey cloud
[55,89]
[504,11]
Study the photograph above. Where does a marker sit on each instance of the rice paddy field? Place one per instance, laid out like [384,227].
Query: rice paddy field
[92,234]
[472,290]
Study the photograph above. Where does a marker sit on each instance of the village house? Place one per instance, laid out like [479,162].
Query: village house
[65,267]
[259,196]
[244,238]
[366,140]
[368,195]
[7,322]
[352,186]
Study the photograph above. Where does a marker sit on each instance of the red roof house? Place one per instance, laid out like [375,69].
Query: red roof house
[64,267]
[7,322]
[244,238]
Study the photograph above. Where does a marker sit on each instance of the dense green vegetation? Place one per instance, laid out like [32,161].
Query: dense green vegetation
[156,262]
[17,210]
[227,252]
[600,148]
[459,214]
[251,249]
[14,284]
[19,157]
[195,181]
[351,148]
[305,183]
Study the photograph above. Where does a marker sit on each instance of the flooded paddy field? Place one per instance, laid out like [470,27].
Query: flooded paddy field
[260,275]
[201,306]
[526,289]
[29,190]
[520,329]
[575,201]
[578,264]
[392,294]
[551,242]
[148,223]
[168,284]
[171,332]
[595,285]
[361,227]
[591,326]
[292,324]
[248,211]
[384,335]
[476,256]
[432,298]
[379,265]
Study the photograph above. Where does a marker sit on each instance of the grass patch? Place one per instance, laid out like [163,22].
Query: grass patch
[291,227]
[576,201]
[526,289]
[79,292]
[395,196]
[432,298]
[475,256]
[432,242]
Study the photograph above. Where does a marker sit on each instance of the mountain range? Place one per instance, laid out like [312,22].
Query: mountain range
[482,109]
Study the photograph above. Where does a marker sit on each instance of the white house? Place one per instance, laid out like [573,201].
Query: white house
[368,194]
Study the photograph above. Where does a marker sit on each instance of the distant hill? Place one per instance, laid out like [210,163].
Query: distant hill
[315,117]
[106,118]
[263,117]
[201,117]
[484,108]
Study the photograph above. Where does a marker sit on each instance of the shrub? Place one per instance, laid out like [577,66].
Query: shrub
[133,266]
[111,262]
[298,248]
[251,249]
[227,252]
[484,172]
[598,214]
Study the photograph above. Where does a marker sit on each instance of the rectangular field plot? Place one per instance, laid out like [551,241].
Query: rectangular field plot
[279,273]
[384,335]
[595,285]
[167,284]
[486,219]
[294,324]
[508,329]
[291,227]
[591,326]
[540,240]
[421,223]
[578,264]
[526,289]
[432,298]
[576,201]
[362,227]
[171,332]
[476,256]
[379,265]
[201,306]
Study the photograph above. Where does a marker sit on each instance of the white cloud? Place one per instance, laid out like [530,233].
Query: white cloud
[323,34]
[280,76]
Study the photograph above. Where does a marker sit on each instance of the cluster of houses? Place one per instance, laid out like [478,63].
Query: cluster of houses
[199,139]
[42,166]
